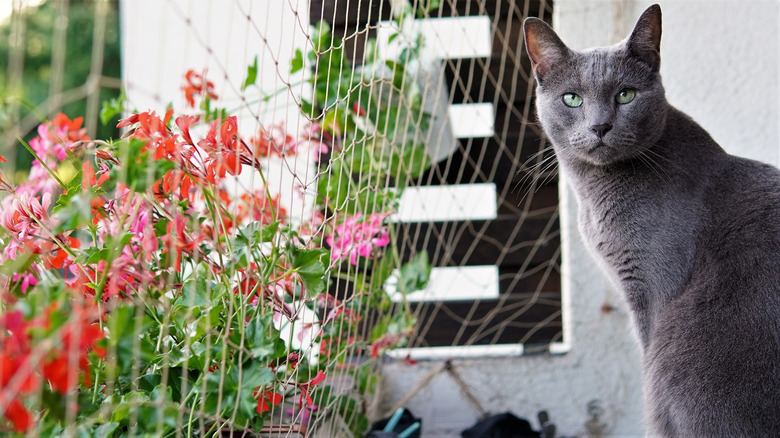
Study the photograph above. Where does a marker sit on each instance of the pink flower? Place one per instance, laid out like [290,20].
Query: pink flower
[355,238]
[28,280]
[22,218]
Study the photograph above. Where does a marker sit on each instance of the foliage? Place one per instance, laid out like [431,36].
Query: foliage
[38,52]
[140,297]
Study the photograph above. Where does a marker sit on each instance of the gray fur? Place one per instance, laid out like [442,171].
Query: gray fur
[690,234]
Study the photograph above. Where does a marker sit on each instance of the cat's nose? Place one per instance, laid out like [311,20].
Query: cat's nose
[601,130]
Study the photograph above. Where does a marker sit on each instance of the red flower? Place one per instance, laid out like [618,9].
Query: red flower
[173,180]
[2,159]
[196,85]
[177,239]
[268,399]
[79,336]
[273,142]
[357,109]
[60,375]
[18,415]
[73,127]
[304,388]
[224,154]
[154,130]
[89,177]
[55,256]
[184,123]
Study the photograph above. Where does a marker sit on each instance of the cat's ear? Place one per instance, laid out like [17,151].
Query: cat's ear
[544,46]
[645,40]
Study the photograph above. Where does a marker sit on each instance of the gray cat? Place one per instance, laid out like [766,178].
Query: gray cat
[690,234]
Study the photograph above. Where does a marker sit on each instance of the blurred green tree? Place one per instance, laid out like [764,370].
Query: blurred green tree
[58,56]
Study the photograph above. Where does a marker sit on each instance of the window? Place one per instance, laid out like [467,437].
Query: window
[487,211]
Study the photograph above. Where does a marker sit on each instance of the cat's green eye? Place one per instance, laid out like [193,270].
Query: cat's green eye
[572,100]
[625,96]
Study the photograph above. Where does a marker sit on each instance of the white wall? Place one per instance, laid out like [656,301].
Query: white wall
[720,64]
[161,40]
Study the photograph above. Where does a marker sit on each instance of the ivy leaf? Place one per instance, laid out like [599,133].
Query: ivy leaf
[310,268]
[297,62]
[251,75]
[255,374]
[262,339]
[95,255]
[195,293]
[111,108]
[415,273]
[411,161]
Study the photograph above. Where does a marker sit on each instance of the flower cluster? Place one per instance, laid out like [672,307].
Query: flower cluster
[358,236]
[25,366]
[130,257]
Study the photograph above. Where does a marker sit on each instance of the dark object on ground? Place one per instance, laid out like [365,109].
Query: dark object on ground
[503,425]
[405,421]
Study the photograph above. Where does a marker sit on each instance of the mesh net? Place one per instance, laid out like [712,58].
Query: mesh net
[299,190]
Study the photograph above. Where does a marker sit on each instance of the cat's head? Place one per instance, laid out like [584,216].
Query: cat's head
[602,105]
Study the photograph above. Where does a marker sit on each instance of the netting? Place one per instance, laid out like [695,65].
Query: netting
[298,192]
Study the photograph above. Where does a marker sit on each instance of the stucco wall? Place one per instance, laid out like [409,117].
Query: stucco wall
[720,64]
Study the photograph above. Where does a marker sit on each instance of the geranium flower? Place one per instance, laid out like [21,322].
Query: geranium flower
[195,85]
[178,241]
[22,217]
[273,142]
[356,237]
[91,179]
[148,126]
[306,387]
[18,416]
[77,336]
[28,280]
[55,138]
[268,399]
[184,123]
[224,152]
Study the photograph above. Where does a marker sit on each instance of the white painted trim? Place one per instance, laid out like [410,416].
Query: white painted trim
[445,38]
[472,120]
[456,202]
[458,352]
[471,351]
[559,347]
[451,283]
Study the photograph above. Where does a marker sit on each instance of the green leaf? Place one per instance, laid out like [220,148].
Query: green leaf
[95,255]
[256,232]
[409,162]
[107,429]
[196,293]
[383,268]
[140,168]
[251,75]
[415,273]
[393,37]
[111,108]
[297,61]
[73,213]
[321,36]
[148,382]
[307,109]
[262,339]
[123,333]
[308,263]
[255,374]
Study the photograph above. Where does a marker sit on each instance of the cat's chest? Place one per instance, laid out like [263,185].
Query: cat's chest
[643,240]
